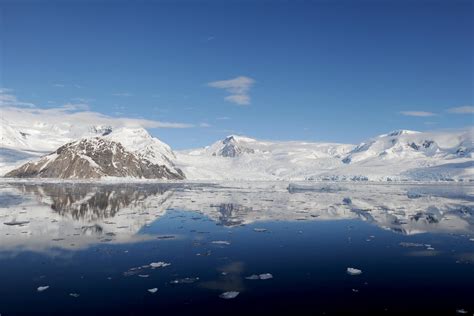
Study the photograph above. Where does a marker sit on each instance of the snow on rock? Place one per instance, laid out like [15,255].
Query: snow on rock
[396,156]
[94,157]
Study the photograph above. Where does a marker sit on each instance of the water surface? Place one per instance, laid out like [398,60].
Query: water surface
[93,247]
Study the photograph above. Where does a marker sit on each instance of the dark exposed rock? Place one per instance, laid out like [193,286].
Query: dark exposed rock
[93,158]
[232,148]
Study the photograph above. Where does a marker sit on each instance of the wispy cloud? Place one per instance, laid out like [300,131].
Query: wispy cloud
[64,85]
[71,113]
[9,99]
[222,118]
[238,88]
[204,125]
[122,94]
[468,109]
[78,114]
[417,113]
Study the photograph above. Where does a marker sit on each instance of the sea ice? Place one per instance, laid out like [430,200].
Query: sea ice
[221,242]
[160,264]
[229,295]
[42,288]
[353,271]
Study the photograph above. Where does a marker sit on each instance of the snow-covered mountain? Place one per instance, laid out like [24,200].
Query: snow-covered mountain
[396,156]
[241,158]
[66,150]
[96,157]
[399,155]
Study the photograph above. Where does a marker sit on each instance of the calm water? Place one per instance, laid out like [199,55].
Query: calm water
[100,248]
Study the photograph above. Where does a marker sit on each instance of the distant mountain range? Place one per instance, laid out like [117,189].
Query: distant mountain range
[56,150]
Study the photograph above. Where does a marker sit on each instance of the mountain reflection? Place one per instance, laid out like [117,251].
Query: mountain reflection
[83,201]
[78,215]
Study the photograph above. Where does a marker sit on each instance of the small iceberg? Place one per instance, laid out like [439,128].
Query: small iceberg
[42,288]
[75,295]
[353,271]
[185,280]
[263,276]
[229,295]
[153,290]
[221,242]
[160,264]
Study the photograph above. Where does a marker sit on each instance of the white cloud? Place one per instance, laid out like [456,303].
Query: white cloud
[9,99]
[204,125]
[70,113]
[468,109]
[417,113]
[122,94]
[238,87]
[77,114]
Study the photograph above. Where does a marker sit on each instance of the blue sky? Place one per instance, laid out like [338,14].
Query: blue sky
[337,71]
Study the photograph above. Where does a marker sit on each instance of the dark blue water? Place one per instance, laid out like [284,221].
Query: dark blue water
[415,254]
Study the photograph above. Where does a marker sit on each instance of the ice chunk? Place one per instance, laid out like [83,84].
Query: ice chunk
[263,276]
[461,311]
[221,242]
[143,275]
[229,295]
[353,271]
[260,230]
[75,295]
[42,288]
[153,290]
[160,264]
[185,280]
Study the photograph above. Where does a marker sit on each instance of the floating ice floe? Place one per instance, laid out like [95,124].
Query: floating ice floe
[263,276]
[42,288]
[153,290]
[160,264]
[75,295]
[353,271]
[229,295]
[185,280]
[471,239]
[461,311]
[143,275]
[260,230]
[220,242]
[411,244]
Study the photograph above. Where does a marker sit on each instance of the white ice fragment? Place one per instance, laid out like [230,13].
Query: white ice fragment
[229,295]
[221,242]
[75,295]
[143,275]
[461,311]
[353,271]
[42,288]
[159,264]
[260,230]
[265,276]
[153,290]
